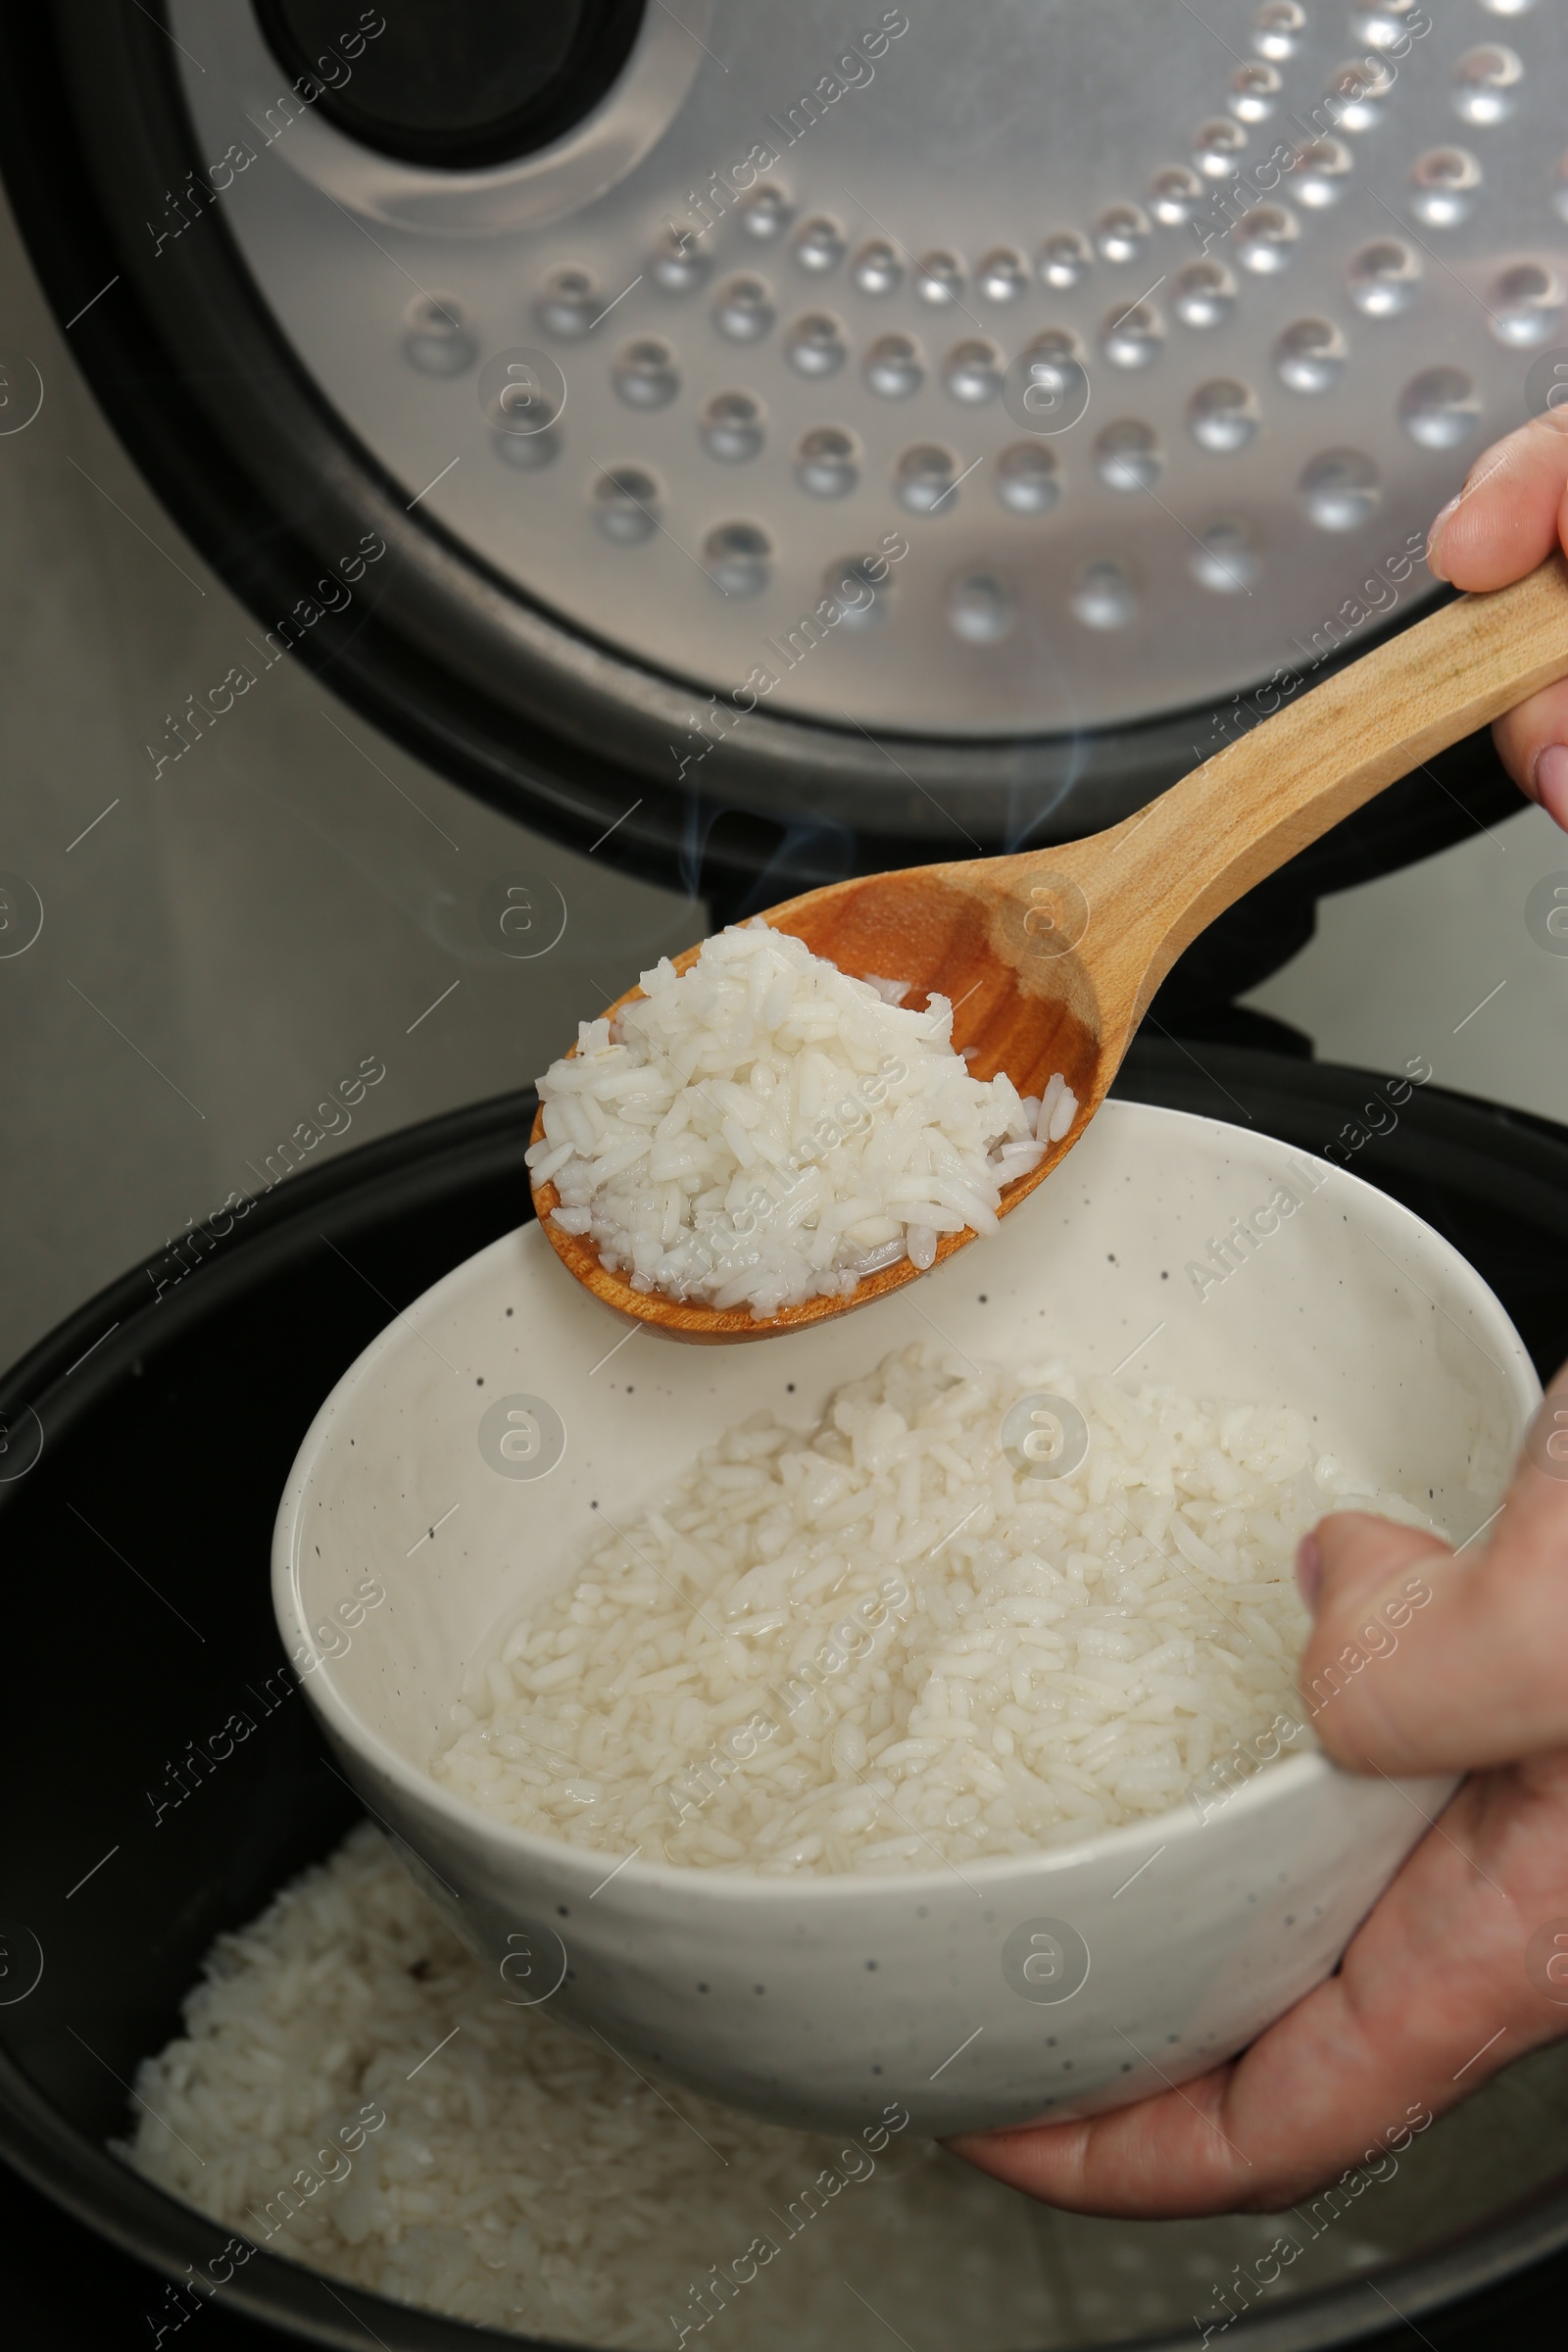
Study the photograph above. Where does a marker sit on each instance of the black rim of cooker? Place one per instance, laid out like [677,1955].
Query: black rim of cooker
[267,481]
[1465,1164]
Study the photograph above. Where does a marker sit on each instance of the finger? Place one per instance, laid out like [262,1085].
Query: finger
[1425,1660]
[1432,1998]
[1512,511]
[1161,2158]
[1533,745]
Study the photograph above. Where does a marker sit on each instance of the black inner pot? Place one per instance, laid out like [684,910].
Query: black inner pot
[136,1548]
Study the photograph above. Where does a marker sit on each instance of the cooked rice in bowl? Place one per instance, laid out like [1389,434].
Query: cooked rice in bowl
[887,1644]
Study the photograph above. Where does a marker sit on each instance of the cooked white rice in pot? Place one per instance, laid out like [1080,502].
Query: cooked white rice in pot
[764,1129]
[480,2159]
[520,2176]
[885,1643]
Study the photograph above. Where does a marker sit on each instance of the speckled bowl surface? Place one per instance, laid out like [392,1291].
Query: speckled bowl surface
[451,1472]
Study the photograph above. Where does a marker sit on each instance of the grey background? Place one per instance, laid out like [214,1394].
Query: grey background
[235,936]
[232,938]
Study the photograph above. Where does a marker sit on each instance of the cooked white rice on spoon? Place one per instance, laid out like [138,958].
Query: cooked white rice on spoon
[764,1129]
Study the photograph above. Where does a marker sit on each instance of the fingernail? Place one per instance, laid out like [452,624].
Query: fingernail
[1309,1570]
[1435,538]
[1551,780]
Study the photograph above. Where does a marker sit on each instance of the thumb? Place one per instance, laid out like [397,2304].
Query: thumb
[1384,1645]
[1422,1660]
[1532,742]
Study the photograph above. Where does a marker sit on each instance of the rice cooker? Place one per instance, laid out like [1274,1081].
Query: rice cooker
[762,445]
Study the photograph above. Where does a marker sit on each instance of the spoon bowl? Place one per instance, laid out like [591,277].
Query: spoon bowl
[1050,957]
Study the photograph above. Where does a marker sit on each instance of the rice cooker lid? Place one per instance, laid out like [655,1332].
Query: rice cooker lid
[900,425]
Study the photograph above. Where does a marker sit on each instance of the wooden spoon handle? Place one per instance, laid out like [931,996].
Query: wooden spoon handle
[1239,818]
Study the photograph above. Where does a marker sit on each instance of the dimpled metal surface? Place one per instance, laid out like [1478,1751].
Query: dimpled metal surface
[727,263]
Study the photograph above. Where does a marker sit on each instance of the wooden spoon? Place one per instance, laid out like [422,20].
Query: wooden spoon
[1050,957]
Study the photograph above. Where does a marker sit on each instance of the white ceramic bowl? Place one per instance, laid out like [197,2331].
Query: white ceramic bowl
[1153,1951]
